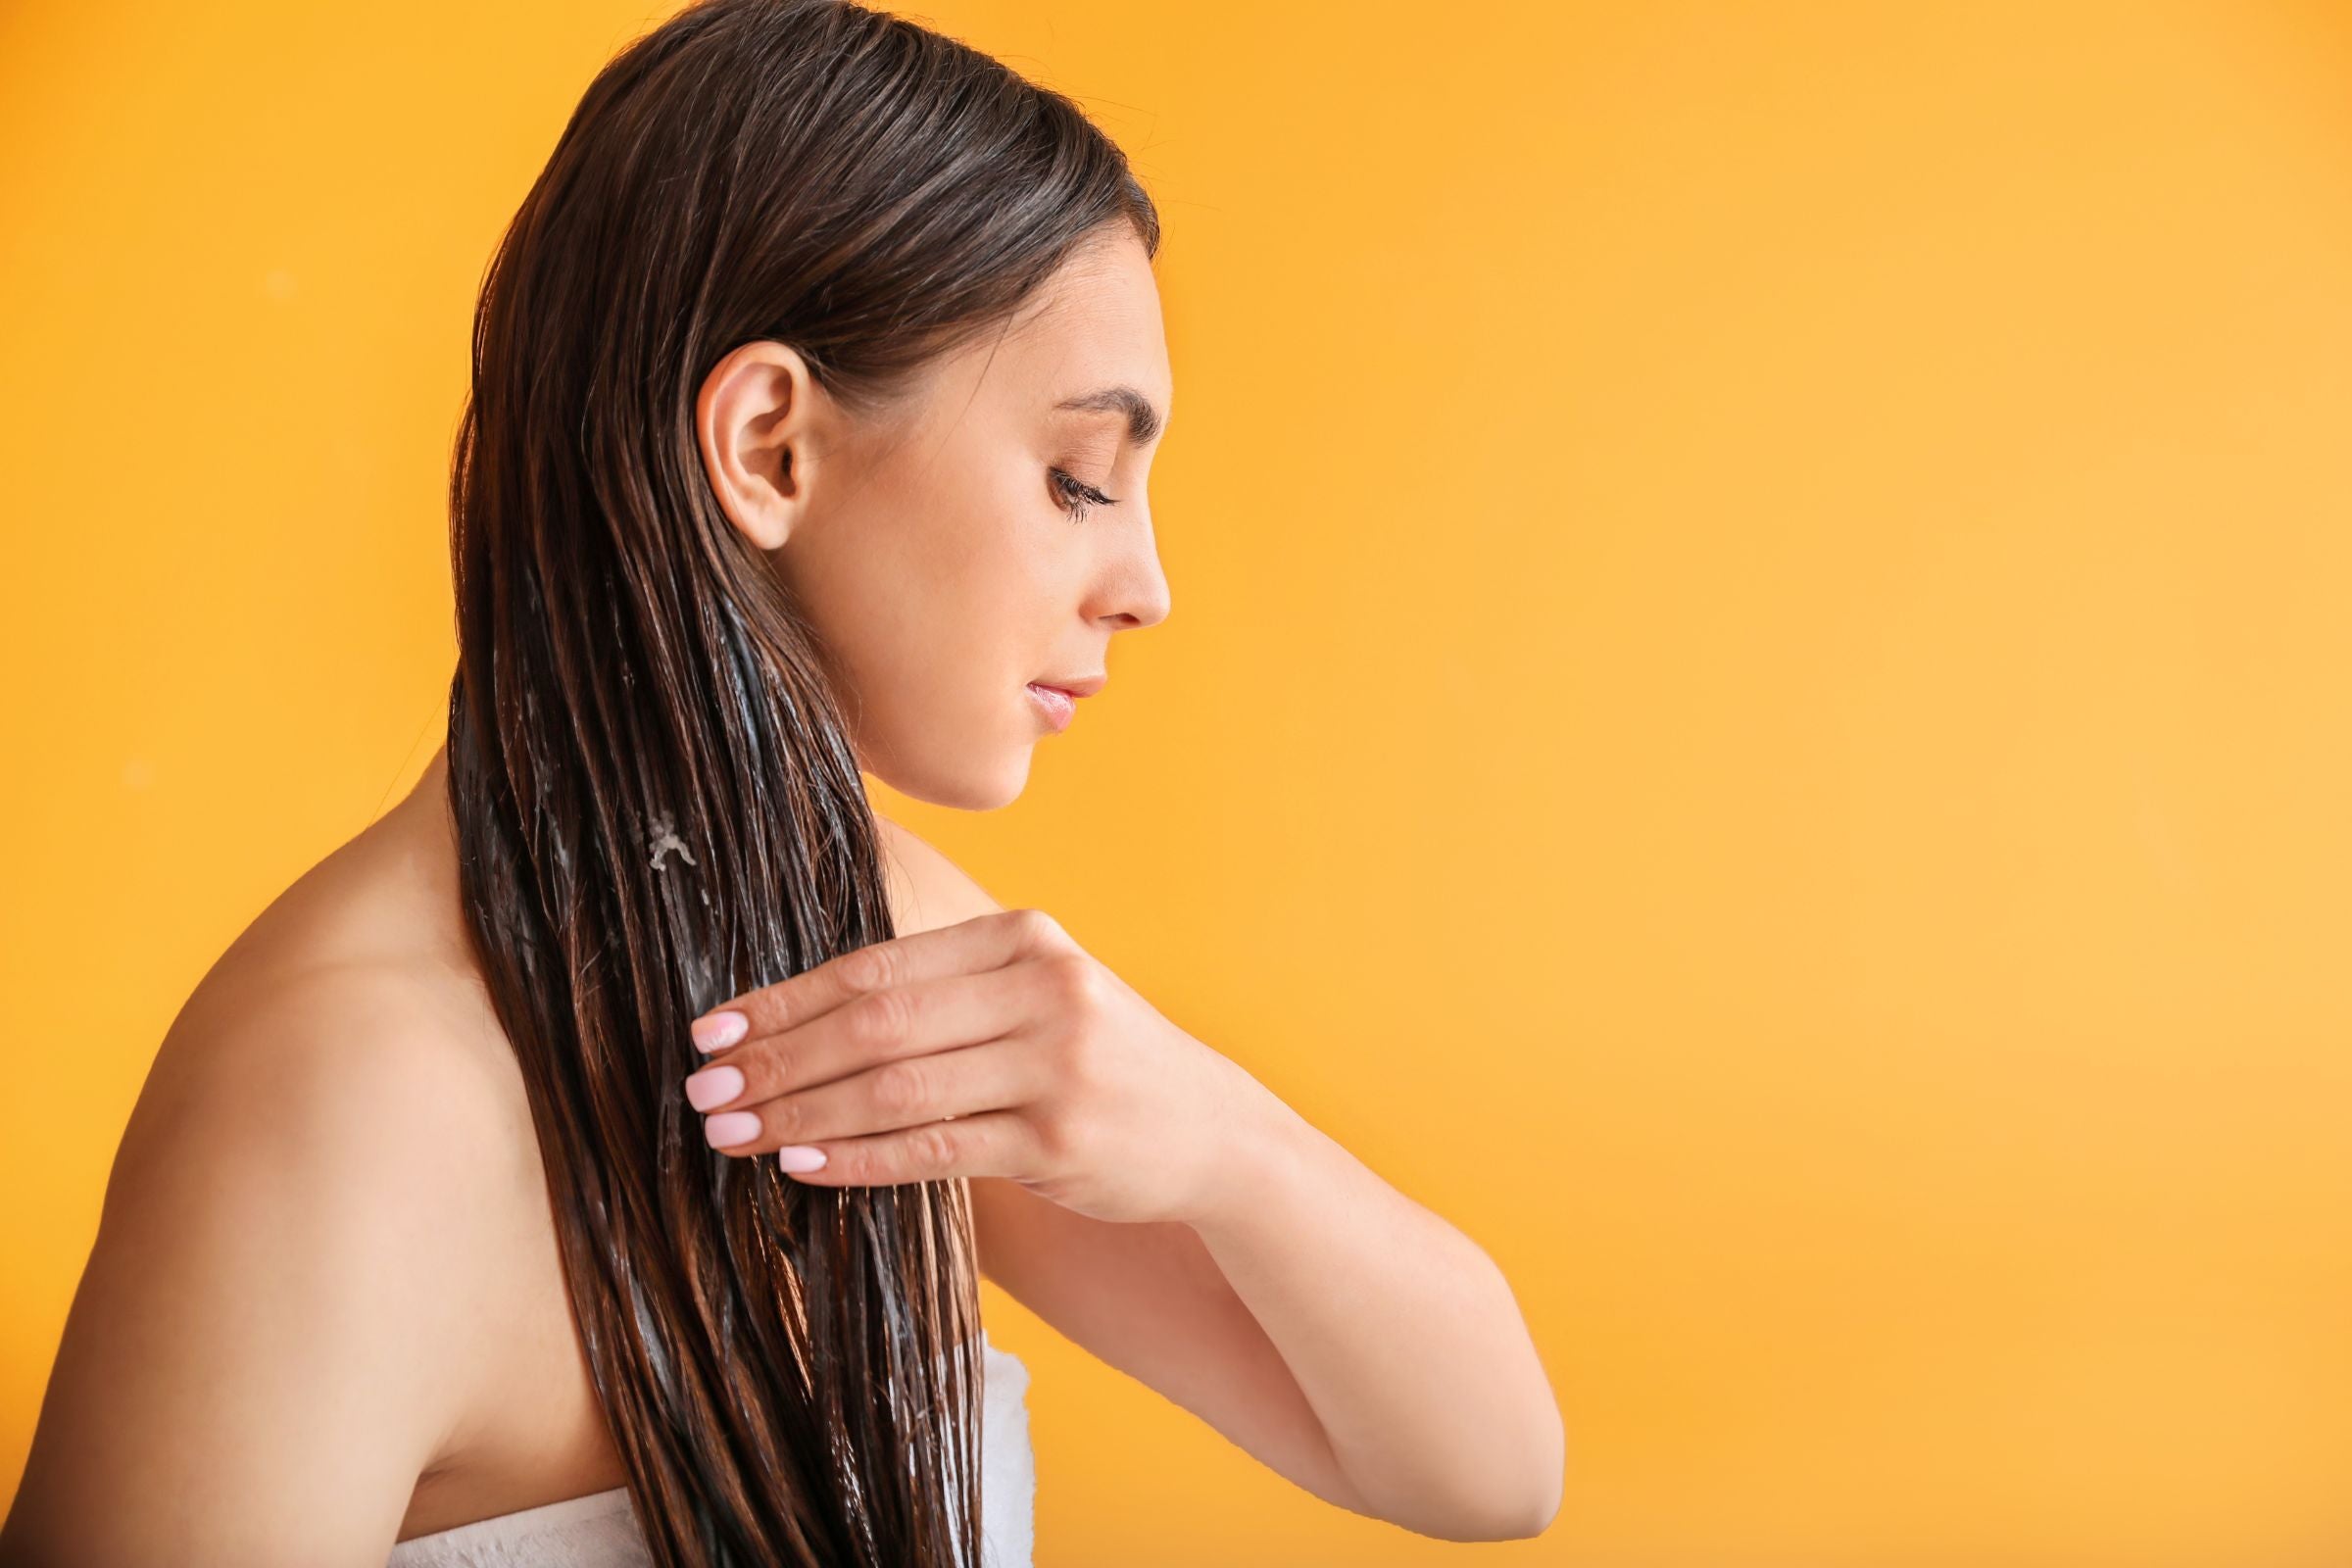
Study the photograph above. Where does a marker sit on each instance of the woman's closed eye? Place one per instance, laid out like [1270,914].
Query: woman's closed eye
[1076,497]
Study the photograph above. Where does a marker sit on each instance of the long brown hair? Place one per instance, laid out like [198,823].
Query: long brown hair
[657,802]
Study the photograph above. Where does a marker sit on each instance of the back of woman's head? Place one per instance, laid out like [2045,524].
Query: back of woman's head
[657,802]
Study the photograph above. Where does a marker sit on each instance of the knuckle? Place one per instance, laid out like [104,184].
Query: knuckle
[870,968]
[901,1088]
[931,1151]
[1056,1136]
[1051,1132]
[1037,930]
[876,1018]
[767,1073]
[781,1120]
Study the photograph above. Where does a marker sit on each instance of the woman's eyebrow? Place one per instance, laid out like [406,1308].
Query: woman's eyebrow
[1142,419]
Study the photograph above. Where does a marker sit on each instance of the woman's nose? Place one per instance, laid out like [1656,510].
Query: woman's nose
[1135,594]
[1145,601]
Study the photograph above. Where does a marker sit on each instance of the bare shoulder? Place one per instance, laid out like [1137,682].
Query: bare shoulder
[280,1302]
[927,889]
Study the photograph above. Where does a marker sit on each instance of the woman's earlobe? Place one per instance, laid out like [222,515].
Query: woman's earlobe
[763,511]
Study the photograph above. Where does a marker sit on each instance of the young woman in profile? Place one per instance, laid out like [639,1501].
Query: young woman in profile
[594,1160]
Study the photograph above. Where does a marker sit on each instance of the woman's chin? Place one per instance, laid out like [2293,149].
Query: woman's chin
[962,786]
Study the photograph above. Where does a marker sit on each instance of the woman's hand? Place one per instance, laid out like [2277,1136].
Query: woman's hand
[995,1047]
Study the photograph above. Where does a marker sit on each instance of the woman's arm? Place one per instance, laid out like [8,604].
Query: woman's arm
[1328,1325]
[259,1361]
[1149,1299]
[1402,1331]
[1336,1330]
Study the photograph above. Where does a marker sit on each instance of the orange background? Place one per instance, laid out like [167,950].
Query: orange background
[1754,714]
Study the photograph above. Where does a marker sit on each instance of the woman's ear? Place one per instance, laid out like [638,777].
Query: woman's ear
[755,421]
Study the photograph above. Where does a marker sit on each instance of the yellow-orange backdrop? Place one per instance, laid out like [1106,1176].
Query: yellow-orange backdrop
[1756,711]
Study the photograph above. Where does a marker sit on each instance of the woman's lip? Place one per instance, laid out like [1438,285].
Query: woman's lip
[1059,706]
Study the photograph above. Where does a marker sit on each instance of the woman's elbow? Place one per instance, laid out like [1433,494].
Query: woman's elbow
[1518,1513]
[1537,1504]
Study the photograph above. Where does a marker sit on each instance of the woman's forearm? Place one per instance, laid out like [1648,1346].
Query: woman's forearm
[1400,1331]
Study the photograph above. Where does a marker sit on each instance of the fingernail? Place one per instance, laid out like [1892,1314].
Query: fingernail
[733,1127]
[714,1086]
[799,1156]
[718,1030]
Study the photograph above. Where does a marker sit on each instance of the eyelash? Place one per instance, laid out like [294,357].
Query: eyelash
[1076,497]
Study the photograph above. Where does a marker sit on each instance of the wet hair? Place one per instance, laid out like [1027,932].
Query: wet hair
[657,803]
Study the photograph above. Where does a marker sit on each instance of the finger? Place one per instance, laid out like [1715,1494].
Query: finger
[896,1095]
[930,1015]
[1000,1142]
[984,942]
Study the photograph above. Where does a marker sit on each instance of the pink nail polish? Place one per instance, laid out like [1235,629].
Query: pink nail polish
[729,1128]
[714,1086]
[718,1030]
[799,1158]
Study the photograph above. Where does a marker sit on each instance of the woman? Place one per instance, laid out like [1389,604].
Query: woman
[595,1158]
